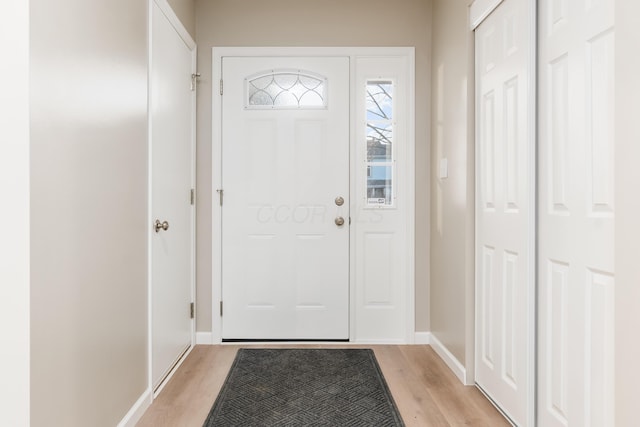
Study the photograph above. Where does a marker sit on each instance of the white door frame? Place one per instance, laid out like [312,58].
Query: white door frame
[164,6]
[479,11]
[353,53]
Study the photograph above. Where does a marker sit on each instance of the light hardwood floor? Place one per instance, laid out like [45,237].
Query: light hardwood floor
[425,390]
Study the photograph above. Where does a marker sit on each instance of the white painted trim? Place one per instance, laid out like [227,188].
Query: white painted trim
[15,242]
[176,23]
[476,189]
[204,338]
[137,410]
[411,204]
[149,199]
[216,209]
[309,51]
[194,206]
[353,52]
[479,10]
[353,296]
[422,338]
[450,360]
[532,86]
[470,218]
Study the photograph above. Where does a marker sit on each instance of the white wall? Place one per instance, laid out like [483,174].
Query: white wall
[88,101]
[14,213]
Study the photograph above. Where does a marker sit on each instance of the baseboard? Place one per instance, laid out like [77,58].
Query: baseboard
[422,338]
[449,359]
[137,410]
[204,338]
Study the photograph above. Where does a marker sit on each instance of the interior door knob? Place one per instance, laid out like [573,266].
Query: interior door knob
[339,221]
[161,225]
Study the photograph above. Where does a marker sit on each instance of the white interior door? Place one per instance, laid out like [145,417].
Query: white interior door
[504,210]
[576,213]
[172,118]
[285,151]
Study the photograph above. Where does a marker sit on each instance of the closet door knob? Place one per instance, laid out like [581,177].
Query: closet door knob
[161,225]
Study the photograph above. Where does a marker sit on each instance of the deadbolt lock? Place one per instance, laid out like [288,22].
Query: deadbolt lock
[339,201]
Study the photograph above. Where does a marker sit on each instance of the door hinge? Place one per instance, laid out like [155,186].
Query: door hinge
[193,196]
[220,192]
[194,80]
[221,87]
[220,308]
[192,310]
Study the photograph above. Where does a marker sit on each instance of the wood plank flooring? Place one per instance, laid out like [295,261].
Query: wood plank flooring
[426,391]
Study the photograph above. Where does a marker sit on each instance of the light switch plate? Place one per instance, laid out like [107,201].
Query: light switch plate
[444,169]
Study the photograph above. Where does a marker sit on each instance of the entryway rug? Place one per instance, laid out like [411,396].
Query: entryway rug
[304,387]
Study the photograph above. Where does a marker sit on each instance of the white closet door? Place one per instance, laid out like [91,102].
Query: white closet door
[576,213]
[172,110]
[504,210]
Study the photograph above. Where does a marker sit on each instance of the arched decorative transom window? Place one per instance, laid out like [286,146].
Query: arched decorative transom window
[286,89]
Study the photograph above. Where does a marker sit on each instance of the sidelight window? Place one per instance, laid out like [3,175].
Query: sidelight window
[380,134]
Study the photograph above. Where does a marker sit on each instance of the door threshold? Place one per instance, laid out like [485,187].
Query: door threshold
[284,340]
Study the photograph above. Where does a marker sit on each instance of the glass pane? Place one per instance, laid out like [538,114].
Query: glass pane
[379,138]
[262,82]
[285,81]
[311,99]
[285,99]
[379,185]
[286,90]
[379,100]
[260,98]
[310,83]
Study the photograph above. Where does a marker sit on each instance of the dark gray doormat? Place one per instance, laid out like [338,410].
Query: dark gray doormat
[304,387]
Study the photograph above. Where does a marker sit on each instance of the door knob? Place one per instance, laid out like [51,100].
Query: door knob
[339,201]
[161,226]
[339,221]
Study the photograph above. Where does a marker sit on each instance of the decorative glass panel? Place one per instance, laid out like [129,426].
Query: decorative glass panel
[379,100]
[380,185]
[286,89]
[379,137]
[380,155]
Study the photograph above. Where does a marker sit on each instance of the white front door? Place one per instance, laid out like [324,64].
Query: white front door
[172,112]
[504,211]
[576,214]
[285,200]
